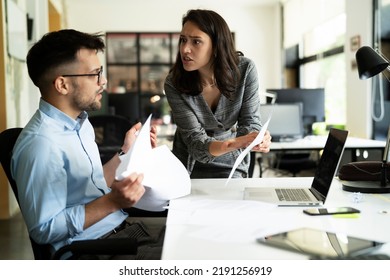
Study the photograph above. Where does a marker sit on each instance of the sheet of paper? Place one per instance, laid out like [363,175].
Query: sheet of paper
[211,219]
[220,220]
[165,177]
[255,142]
[203,211]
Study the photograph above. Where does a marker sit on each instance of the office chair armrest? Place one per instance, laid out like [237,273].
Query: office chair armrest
[113,246]
[135,212]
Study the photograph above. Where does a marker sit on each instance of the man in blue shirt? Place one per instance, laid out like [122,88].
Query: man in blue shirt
[64,191]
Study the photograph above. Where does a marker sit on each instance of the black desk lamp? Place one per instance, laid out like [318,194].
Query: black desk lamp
[371,63]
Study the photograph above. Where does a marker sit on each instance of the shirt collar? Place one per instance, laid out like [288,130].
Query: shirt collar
[60,116]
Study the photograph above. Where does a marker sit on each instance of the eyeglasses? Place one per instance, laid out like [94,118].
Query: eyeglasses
[98,74]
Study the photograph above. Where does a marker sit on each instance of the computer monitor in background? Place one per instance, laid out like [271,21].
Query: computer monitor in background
[124,104]
[286,121]
[313,101]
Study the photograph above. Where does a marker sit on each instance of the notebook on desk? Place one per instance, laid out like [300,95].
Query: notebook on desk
[315,194]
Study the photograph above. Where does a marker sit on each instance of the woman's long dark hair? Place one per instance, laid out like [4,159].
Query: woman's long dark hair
[225,57]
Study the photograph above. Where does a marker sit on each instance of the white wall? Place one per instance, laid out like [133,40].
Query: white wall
[256,27]
[303,15]
[21,96]
[38,10]
[359,22]
[257,30]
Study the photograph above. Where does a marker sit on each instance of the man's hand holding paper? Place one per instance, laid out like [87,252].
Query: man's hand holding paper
[165,177]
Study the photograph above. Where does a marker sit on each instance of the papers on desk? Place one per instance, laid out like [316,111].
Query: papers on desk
[165,177]
[220,220]
[255,142]
[203,211]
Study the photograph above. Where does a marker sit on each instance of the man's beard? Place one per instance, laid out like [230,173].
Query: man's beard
[82,105]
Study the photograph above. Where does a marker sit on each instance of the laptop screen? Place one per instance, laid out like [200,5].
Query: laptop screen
[329,160]
[286,121]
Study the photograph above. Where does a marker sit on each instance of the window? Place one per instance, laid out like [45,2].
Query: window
[137,64]
[322,65]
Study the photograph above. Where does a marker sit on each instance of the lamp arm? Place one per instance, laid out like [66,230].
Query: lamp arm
[385,160]
[381,100]
[384,174]
[387,147]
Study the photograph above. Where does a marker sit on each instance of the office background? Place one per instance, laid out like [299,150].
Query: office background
[262,28]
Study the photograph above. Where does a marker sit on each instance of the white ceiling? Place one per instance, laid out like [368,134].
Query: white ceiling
[242,2]
[207,2]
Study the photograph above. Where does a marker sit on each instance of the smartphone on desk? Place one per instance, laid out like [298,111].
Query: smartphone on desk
[330,211]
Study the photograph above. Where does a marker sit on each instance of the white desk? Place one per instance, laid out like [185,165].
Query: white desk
[318,143]
[215,223]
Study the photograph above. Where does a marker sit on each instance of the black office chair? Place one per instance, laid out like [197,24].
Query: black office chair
[294,162]
[120,246]
[110,131]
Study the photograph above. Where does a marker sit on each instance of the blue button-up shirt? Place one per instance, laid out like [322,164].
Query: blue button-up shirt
[57,168]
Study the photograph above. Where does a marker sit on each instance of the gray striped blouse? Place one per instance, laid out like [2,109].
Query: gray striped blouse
[197,125]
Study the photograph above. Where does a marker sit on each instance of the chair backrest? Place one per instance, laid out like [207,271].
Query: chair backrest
[110,131]
[7,141]
[8,138]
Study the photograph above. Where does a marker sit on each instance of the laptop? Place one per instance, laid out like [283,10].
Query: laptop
[316,194]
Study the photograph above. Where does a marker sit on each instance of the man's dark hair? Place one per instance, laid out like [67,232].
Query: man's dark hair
[225,57]
[57,48]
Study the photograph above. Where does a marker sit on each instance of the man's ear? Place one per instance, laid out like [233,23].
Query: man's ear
[61,85]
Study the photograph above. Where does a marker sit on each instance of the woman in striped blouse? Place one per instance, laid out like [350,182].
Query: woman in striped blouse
[213,93]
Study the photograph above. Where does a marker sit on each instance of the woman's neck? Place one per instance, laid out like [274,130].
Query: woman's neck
[207,78]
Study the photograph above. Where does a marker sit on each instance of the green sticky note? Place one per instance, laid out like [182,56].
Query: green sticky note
[350,216]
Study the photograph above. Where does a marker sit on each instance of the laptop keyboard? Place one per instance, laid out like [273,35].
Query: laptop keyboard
[292,195]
